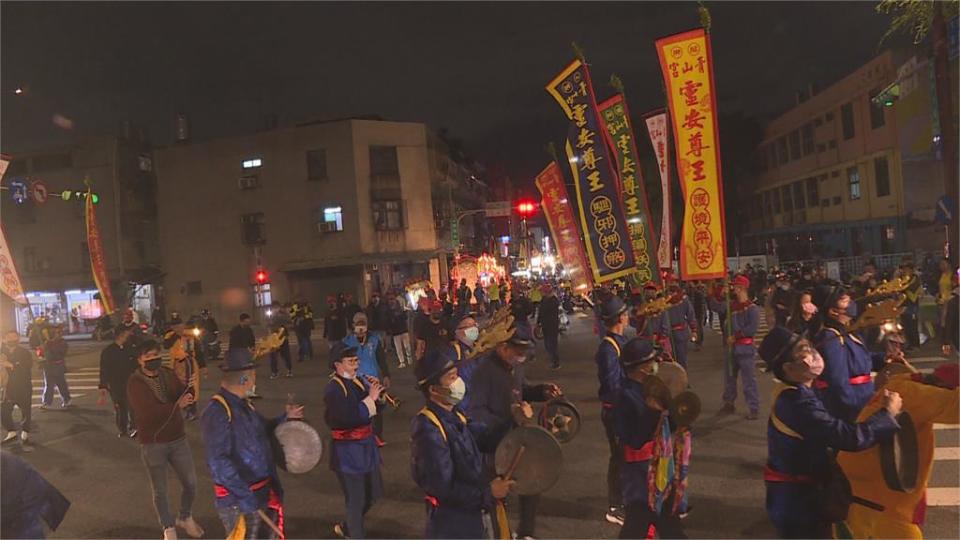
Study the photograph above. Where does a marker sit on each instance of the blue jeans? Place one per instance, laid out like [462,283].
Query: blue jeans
[176,454]
[305,345]
[55,375]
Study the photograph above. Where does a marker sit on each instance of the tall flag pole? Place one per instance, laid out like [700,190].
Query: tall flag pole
[656,122]
[619,133]
[604,227]
[687,65]
[98,265]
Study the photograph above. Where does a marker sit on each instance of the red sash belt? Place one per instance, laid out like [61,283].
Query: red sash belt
[744,341]
[859,379]
[680,326]
[355,434]
[431,500]
[633,455]
[773,475]
[273,499]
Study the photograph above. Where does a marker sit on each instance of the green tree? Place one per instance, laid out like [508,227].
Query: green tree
[923,18]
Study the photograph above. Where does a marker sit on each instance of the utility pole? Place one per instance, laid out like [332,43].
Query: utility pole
[948,134]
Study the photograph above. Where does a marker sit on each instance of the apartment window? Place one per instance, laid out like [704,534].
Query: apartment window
[798,201]
[383,161]
[194,288]
[836,200]
[317,164]
[877,119]
[252,163]
[787,199]
[813,191]
[795,144]
[829,117]
[782,156]
[387,215]
[846,118]
[807,135]
[252,229]
[262,295]
[84,256]
[30,259]
[775,196]
[835,174]
[853,181]
[328,219]
[882,172]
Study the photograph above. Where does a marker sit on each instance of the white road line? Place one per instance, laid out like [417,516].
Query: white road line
[943,496]
[946,426]
[946,453]
[72,397]
[37,393]
[926,359]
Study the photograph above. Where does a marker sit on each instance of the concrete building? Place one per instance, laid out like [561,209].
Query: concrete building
[48,240]
[844,174]
[326,207]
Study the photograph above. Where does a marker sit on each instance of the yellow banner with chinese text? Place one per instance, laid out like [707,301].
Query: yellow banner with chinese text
[686,62]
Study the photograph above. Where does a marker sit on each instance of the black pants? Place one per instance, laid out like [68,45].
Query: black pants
[639,518]
[6,412]
[551,343]
[124,416]
[283,351]
[911,328]
[360,491]
[528,515]
[614,490]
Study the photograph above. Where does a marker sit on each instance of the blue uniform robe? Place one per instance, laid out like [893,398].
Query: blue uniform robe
[845,358]
[345,410]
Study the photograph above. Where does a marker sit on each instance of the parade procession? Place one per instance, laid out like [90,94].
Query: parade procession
[495,303]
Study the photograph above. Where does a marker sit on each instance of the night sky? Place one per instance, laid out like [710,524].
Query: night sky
[476,69]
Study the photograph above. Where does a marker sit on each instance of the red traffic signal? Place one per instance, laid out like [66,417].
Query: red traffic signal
[526,208]
[261,277]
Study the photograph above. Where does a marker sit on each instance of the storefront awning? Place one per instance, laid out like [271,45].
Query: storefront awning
[373,258]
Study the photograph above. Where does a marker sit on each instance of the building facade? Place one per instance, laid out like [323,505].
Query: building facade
[829,180]
[321,208]
[48,239]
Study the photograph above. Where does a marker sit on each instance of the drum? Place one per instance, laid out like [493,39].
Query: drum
[540,461]
[899,457]
[561,418]
[298,447]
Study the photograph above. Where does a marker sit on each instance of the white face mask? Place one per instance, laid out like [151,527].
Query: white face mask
[471,334]
[457,390]
[360,329]
[346,376]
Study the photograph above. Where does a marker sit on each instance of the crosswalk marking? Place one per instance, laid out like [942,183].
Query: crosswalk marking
[943,496]
[944,426]
[762,327]
[946,453]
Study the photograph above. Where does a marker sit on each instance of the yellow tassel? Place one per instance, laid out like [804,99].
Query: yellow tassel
[239,531]
[503,523]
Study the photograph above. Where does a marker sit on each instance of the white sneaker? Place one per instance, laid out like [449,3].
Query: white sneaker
[191,527]
[24,436]
[170,533]
[11,436]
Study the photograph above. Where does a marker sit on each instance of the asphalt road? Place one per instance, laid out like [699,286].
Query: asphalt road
[78,451]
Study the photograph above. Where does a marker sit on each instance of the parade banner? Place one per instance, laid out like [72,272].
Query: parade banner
[686,62]
[616,120]
[9,278]
[98,263]
[657,128]
[563,227]
[601,215]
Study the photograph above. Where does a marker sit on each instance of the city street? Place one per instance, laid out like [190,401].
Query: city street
[78,451]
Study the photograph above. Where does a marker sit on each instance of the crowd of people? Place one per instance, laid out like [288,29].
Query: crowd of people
[826,405]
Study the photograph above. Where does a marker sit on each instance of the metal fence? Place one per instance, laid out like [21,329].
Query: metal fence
[854,265]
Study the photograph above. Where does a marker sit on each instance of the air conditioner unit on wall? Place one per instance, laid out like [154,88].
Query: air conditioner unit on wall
[326,227]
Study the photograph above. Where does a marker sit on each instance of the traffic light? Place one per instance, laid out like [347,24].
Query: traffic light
[526,208]
[261,276]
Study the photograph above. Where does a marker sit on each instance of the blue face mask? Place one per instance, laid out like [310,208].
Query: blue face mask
[470,335]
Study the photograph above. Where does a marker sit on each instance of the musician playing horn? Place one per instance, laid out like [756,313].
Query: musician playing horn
[351,406]
[239,456]
[373,361]
[186,358]
[845,385]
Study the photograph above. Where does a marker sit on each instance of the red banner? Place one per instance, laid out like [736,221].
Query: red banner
[9,279]
[98,263]
[687,65]
[563,227]
[657,128]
